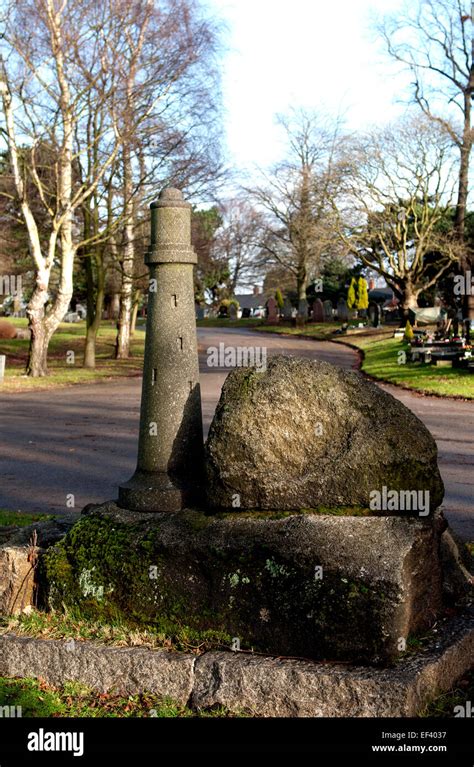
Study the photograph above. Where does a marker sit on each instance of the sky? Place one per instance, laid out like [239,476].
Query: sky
[317,54]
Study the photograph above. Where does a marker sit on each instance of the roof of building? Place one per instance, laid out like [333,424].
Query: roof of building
[249,300]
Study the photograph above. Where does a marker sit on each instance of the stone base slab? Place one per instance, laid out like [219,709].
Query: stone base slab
[261,686]
[318,586]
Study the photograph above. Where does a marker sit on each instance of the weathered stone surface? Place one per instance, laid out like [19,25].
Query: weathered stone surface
[316,586]
[126,670]
[262,686]
[169,471]
[297,688]
[456,563]
[305,433]
[19,555]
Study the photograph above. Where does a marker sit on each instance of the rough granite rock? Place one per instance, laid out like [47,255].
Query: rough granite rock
[305,433]
[309,585]
[123,669]
[297,688]
[19,554]
[242,682]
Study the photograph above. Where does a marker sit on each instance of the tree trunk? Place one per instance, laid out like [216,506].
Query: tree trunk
[122,350]
[114,309]
[37,365]
[93,329]
[133,321]
[123,335]
[301,285]
[409,300]
[463,191]
[42,325]
[95,303]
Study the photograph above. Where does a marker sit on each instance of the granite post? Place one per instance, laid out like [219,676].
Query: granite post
[170,450]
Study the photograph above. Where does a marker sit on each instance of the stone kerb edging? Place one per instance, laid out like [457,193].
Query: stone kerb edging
[260,685]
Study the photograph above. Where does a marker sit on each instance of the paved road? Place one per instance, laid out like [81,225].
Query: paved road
[82,440]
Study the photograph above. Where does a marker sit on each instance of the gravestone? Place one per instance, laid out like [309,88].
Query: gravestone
[233,313]
[246,313]
[318,311]
[273,316]
[287,309]
[327,309]
[3,360]
[170,447]
[199,313]
[375,313]
[342,310]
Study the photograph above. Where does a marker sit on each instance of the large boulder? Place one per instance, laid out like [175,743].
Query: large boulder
[305,434]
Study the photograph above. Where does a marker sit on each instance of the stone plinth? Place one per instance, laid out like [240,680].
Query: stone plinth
[170,448]
[348,588]
[242,682]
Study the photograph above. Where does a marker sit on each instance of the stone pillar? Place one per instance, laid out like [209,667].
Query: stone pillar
[170,450]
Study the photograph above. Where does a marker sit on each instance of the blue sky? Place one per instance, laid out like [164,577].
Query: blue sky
[313,53]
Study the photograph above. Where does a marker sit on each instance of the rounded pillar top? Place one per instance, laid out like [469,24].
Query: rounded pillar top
[170,197]
[170,230]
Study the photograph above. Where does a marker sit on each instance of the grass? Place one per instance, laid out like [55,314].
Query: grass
[443,706]
[39,699]
[19,519]
[381,361]
[70,338]
[323,331]
[67,625]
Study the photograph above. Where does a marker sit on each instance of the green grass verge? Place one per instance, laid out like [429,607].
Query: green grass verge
[38,699]
[323,331]
[18,519]
[381,361]
[70,338]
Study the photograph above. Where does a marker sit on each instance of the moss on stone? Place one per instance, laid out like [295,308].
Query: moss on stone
[202,574]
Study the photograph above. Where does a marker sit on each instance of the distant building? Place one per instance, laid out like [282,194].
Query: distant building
[253,301]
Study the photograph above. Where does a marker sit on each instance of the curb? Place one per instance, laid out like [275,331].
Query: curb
[244,682]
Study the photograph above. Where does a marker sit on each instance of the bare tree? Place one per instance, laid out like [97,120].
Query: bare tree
[238,241]
[43,96]
[394,214]
[433,39]
[167,106]
[296,198]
